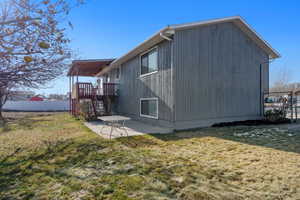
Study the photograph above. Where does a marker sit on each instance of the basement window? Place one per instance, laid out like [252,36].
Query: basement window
[149,62]
[149,107]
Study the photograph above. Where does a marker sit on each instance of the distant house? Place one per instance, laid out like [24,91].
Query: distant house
[184,76]
[59,97]
[36,98]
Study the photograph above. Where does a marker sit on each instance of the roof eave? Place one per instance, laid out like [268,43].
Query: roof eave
[273,54]
[93,66]
[154,39]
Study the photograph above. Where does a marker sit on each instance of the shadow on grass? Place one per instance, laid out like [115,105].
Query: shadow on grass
[29,123]
[265,136]
[49,164]
[21,123]
[139,141]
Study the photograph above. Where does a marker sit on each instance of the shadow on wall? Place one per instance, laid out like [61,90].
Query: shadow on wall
[133,87]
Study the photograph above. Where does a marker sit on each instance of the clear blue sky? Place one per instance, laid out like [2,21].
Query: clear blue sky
[106,29]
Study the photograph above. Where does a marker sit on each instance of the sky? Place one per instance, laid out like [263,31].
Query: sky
[109,29]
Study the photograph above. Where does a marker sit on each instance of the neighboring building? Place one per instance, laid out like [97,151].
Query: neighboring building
[190,75]
[36,98]
[58,97]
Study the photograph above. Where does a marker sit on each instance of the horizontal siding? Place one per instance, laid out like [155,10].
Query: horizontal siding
[132,87]
[216,70]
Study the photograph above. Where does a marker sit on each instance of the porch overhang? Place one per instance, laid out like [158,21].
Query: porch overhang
[88,68]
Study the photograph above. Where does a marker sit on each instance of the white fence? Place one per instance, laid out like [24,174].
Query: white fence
[36,106]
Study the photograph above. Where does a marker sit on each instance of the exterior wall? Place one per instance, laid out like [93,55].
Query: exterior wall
[217,75]
[113,76]
[133,87]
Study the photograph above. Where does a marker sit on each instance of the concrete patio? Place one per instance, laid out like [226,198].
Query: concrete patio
[133,128]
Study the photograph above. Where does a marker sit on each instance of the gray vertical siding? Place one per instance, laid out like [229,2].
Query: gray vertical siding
[133,87]
[216,72]
[206,74]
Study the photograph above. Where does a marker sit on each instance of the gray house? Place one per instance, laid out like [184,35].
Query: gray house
[193,75]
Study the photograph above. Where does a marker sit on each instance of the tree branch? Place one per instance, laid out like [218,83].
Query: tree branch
[18,21]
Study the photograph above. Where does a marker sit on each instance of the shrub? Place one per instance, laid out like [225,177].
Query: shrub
[275,115]
[86,111]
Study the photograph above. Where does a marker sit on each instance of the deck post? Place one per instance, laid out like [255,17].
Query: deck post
[72,80]
[77,76]
[292,113]
[296,112]
[70,95]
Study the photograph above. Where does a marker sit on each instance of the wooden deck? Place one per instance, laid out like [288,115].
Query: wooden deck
[85,91]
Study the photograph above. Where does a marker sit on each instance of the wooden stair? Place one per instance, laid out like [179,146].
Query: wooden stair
[99,103]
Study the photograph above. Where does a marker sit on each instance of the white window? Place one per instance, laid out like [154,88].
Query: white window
[149,62]
[149,107]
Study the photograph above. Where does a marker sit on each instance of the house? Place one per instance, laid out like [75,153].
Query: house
[188,75]
[36,98]
[58,97]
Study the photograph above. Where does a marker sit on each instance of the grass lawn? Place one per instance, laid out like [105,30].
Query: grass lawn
[56,157]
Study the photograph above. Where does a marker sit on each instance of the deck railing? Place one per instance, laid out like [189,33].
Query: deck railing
[83,90]
[86,90]
[109,89]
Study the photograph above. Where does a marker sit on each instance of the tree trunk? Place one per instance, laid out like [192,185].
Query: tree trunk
[3,98]
[1,116]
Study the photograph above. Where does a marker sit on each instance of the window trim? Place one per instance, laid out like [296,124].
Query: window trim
[149,116]
[141,55]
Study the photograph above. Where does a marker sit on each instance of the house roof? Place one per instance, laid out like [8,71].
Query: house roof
[36,98]
[88,67]
[169,30]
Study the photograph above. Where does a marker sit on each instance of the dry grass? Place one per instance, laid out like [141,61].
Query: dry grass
[56,157]
[30,131]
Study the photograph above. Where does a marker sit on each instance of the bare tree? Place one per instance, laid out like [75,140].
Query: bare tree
[282,81]
[33,44]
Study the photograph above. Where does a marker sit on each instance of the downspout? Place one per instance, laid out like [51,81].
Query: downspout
[161,34]
[261,96]
[262,86]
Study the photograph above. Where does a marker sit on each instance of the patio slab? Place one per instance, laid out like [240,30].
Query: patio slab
[133,128]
